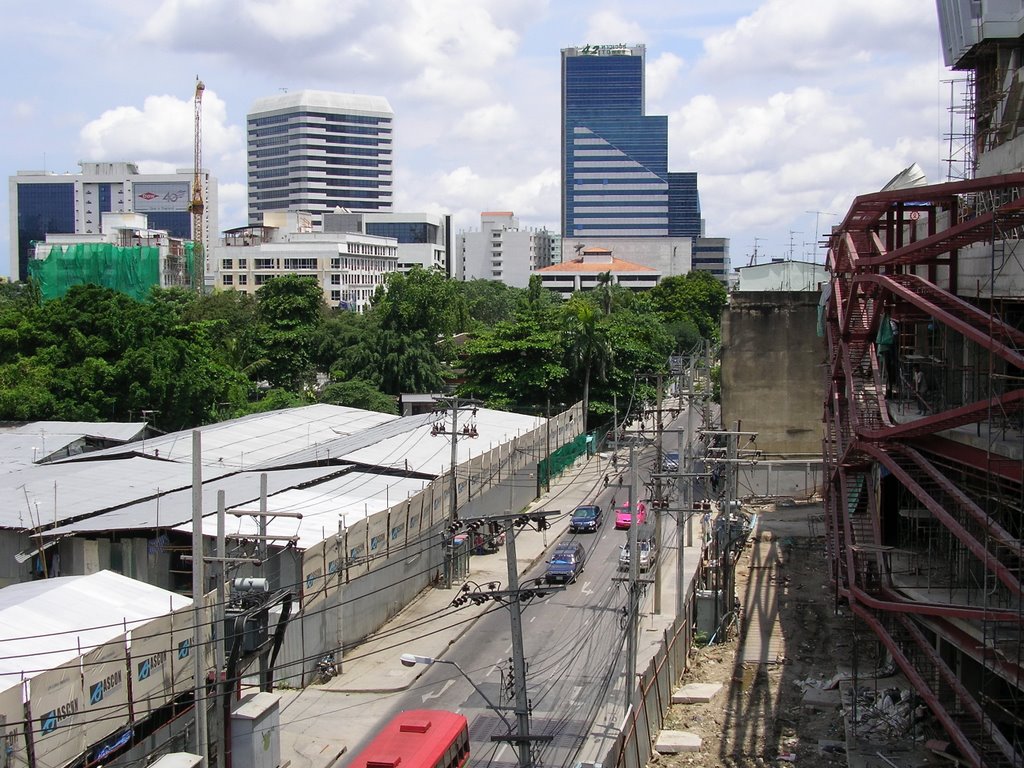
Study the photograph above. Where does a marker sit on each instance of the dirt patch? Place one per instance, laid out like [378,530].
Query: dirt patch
[759,717]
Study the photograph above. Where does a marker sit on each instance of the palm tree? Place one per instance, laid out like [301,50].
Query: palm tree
[589,347]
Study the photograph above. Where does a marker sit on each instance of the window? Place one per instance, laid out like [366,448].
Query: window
[227,279]
[227,263]
[243,279]
[335,279]
[243,263]
[335,296]
[264,264]
[262,279]
[297,264]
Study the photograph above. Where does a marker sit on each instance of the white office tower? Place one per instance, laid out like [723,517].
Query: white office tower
[316,150]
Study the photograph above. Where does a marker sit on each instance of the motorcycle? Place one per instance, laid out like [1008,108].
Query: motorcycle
[326,668]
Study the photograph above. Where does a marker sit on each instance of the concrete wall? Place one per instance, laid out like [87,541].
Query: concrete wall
[772,370]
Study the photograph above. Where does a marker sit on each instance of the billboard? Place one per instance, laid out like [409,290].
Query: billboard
[58,714]
[154,196]
[105,680]
[12,728]
[152,655]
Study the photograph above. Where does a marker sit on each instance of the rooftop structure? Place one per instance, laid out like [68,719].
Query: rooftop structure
[782,275]
[502,250]
[589,269]
[317,150]
[45,203]
[348,266]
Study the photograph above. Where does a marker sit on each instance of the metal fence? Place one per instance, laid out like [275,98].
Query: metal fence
[653,694]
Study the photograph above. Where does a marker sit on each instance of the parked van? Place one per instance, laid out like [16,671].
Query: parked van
[646,544]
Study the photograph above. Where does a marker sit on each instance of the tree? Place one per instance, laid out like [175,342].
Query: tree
[515,363]
[697,295]
[421,300]
[586,342]
[489,302]
[359,393]
[289,309]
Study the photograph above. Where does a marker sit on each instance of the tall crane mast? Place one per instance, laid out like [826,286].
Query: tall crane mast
[196,206]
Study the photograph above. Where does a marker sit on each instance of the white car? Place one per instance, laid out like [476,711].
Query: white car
[647,546]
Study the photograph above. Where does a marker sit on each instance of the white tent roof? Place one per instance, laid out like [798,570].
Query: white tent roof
[44,624]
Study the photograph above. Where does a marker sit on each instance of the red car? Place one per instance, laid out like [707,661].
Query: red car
[624,518]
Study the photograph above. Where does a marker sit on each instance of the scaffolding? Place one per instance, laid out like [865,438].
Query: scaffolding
[924,447]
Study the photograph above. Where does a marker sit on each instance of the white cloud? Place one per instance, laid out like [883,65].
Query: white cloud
[493,122]
[429,50]
[814,38]
[232,204]
[161,133]
[608,27]
[661,75]
[465,193]
[23,110]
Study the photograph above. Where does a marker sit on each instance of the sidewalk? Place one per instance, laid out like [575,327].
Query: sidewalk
[428,626]
[312,727]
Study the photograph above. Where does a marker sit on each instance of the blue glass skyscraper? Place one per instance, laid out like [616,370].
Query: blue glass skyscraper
[615,177]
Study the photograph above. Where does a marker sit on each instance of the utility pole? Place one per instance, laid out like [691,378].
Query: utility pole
[659,500]
[615,423]
[518,654]
[513,598]
[468,430]
[634,584]
[198,591]
[547,448]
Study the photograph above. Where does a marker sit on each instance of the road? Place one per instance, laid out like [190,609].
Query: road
[575,651]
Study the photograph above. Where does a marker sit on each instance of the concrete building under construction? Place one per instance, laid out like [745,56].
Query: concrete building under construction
[924,431]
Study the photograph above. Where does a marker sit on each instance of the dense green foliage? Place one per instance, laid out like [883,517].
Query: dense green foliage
[185,360]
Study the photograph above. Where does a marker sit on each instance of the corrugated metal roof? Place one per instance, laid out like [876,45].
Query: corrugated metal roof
[420,451]
[107,430]
[257,440]
[42,494]
[174,508]
[44,623]
[345,499]
[22,450]
[118,488]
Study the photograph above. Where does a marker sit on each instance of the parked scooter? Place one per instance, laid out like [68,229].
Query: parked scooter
[326,668]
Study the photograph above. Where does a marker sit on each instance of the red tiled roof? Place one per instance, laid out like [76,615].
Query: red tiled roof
[497,213]
[578,265]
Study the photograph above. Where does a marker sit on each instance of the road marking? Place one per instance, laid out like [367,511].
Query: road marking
[574,696]
[509,649]
[448,684]
[585,589]
[533,619]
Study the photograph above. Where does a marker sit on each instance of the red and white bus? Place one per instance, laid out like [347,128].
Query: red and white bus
[418,738]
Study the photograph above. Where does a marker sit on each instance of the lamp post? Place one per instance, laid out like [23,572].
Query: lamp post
[411,659]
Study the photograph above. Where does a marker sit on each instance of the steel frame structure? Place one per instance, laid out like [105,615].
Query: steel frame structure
[924,526]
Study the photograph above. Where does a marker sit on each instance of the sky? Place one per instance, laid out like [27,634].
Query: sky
[786,109]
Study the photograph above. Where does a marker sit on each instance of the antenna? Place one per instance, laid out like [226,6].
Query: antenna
[753,256]
[817,218]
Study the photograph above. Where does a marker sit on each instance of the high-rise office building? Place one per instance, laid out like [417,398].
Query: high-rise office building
[615,177]
[44,203]
[316,151]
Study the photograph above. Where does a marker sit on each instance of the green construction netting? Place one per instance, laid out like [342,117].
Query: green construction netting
[561,458]
[131,270]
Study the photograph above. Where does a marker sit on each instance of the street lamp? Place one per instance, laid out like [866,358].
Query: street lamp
[411,660]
